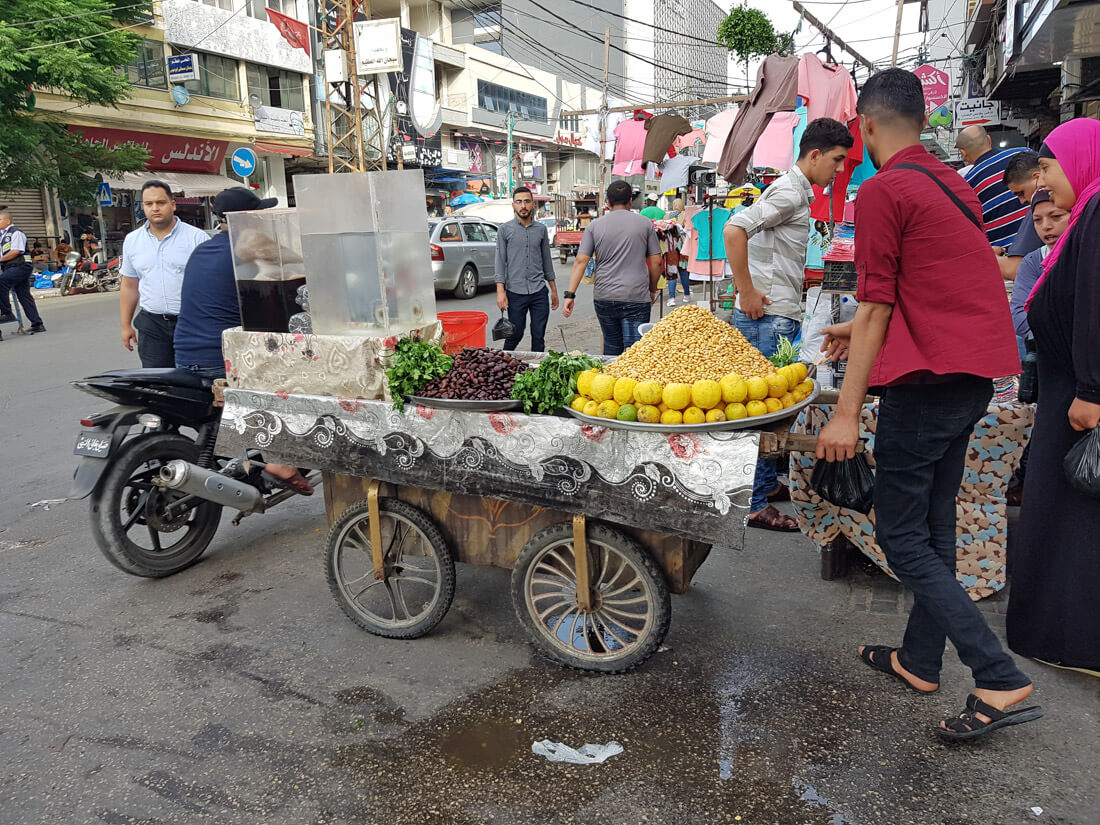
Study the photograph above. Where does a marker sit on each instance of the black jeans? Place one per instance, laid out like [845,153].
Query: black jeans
[619,322]
[17,279]
[155,334]
[920,452]
[538,304]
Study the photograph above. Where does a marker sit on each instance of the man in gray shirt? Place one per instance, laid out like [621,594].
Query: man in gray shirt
[523,271]
[628,268]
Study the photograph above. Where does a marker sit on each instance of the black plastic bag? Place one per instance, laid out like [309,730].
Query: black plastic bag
[849,483]
[503,328]
[1082,464]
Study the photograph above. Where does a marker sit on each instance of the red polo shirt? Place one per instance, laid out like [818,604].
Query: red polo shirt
[916,251]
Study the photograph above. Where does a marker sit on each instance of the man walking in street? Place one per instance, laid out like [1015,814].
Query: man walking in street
[153,258]
[524,271]
[628,268]
[15,272]
[766,246]
[1001,210]
[933,329]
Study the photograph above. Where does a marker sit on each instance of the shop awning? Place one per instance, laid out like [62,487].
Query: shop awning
[284,149]
[192,184]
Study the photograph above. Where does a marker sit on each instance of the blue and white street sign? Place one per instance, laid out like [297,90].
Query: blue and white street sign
[183,67]
[244,162]
[104,195]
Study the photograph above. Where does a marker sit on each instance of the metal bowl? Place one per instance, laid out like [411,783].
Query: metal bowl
[467,406]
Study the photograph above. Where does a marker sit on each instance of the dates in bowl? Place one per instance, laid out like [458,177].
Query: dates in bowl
[478,374]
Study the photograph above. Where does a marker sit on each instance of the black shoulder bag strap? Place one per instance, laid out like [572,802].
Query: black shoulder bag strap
[947,191]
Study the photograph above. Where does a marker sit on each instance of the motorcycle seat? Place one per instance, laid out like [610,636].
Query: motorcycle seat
[171,377]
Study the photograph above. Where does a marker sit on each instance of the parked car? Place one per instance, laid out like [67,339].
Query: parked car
[463,253]
[551,225]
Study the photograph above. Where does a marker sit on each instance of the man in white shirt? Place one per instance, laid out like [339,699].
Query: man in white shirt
[153,258]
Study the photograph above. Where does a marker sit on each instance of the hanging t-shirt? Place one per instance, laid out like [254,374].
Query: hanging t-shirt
[592,133]
[829,90]
[690,139]
[799,129]
[629,146]
[661,131]
[674,172]
[774,150]
[819,242]
[711,247]
[718,129]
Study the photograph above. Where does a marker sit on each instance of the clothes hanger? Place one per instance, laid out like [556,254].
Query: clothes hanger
[828,51]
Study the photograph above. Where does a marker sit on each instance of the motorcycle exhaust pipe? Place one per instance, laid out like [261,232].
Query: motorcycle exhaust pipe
[207,484]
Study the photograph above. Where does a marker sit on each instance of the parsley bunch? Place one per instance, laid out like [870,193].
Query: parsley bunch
[415,363]
[553,384]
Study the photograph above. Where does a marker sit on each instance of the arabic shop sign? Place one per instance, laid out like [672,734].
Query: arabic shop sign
[568,139]
[977,111]
[173,153]
[935,84]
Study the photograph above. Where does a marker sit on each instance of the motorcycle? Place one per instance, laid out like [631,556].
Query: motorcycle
[89,276]
[157,494]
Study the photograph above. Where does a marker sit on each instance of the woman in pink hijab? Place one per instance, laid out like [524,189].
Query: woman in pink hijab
[1055,563]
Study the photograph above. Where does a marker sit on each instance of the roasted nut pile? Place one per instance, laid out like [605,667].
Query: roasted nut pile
[477,375]
[687,345]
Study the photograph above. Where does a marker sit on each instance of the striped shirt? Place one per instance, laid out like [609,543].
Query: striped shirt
[778,226]
[1001,210]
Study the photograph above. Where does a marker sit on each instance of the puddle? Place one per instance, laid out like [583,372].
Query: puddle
[487,745]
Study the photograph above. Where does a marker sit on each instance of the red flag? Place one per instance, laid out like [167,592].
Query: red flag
[294,32]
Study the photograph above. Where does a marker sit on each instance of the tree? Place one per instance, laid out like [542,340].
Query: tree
[749,33]
[70,48]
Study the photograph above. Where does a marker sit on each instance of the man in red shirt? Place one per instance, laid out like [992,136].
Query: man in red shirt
[933,330]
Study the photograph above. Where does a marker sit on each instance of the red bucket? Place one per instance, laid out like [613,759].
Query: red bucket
[463,329]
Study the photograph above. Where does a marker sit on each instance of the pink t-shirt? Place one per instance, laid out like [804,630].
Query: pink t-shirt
[718,129]
[629,148]
[688,140]
[775,149]
[829,90]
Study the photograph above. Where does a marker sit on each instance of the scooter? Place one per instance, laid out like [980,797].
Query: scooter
[156,493]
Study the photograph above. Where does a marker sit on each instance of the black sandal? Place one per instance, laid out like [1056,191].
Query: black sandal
[967,725]
[878,658]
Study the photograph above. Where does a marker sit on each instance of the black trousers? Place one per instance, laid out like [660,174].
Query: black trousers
[155,334]
[538,304]
[17,279]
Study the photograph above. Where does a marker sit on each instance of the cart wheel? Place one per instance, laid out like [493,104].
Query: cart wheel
[419,582]
[563,254]
[630,611]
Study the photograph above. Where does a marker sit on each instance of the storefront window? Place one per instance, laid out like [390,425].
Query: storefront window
[217,78]
[148,67]
[255,8]
[275,87]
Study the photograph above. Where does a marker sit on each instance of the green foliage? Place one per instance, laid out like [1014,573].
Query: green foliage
[35,148]
[553,384]
[748,33]
[415,363]
[786,353]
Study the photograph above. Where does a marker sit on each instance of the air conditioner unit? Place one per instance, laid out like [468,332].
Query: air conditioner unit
[552,188]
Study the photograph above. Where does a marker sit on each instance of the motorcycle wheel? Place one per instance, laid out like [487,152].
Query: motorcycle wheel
[126,507]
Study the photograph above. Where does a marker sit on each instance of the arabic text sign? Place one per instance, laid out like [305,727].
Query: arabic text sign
[378,46]
[183,67]
[168,152]
[977,111]
[936,87]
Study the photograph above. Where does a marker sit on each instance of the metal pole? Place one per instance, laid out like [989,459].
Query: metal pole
[510,119]
[897,33]
[603,121]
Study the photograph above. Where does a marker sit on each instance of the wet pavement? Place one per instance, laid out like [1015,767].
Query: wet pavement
[237,692]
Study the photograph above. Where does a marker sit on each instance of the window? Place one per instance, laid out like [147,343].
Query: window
[275,87]
[502,99]
[490,232]
[220,4]
[148,67]
[570,123]
[449,233]
[255,8]
[475,232]
[217,78]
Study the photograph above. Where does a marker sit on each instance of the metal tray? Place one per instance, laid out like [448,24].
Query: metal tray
[466,406]
[714,426]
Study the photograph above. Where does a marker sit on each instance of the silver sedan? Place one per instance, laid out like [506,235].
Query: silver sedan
[463,252]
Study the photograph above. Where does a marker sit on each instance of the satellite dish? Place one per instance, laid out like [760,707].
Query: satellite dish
[181,95]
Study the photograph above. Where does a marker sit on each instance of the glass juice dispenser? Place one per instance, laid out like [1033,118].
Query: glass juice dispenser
[365,237]
[268,266]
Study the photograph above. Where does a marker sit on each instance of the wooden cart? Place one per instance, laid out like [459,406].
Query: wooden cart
[568,242]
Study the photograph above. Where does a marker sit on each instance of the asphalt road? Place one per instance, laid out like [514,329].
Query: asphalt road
[237,692]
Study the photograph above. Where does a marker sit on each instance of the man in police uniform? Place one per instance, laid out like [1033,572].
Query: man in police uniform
[15,272]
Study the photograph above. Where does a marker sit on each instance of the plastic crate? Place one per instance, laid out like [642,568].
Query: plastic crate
[840,276]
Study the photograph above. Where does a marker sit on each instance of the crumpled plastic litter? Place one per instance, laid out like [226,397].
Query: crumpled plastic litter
[1037,811]
[585,755]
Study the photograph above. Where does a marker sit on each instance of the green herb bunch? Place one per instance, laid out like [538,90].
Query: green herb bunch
[415,363]
[786,353]
[553,384]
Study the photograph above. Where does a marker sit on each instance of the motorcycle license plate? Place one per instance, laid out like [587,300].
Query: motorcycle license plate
[96,445]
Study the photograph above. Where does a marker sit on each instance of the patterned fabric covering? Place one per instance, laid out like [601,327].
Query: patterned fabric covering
[346,365]
[995,450]
[694,486]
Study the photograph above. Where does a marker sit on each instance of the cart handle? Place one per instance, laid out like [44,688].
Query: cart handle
[580,560]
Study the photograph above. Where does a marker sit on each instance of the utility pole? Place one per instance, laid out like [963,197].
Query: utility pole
[603,121]
[897,33]
[510,120]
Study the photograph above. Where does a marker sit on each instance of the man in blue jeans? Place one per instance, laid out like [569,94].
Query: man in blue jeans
[628,268]
[932,330]
[766,246]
